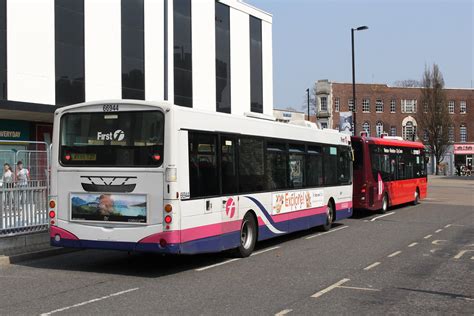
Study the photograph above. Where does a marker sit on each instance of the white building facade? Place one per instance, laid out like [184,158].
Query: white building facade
[213,55]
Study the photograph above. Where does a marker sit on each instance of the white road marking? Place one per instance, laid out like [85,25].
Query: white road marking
[449,225]
[358,288]
[461,253]
[428,236]
[438,242]
[377,217]
[373,265]
[412,244]
[284,312]
[331,231]
[90,301]
[396,253]
[264,250]
[330,288]
[438,231]
[216,265]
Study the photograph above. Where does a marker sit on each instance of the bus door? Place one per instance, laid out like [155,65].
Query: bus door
[229,183]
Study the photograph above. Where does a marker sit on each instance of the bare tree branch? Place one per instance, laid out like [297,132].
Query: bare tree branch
[433,117]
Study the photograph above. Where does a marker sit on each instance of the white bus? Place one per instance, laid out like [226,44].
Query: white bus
[154,177]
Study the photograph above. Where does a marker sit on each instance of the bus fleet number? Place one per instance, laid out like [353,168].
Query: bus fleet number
[110,107]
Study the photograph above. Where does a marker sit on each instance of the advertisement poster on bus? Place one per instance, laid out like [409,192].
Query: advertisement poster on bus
[296,201]
[345,122]
[109,207]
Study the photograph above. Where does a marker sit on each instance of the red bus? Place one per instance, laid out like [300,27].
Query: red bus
[388,171]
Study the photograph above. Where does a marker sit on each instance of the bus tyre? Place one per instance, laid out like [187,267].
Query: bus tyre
[329,218]
[248,236]
[416,201]
[384,208]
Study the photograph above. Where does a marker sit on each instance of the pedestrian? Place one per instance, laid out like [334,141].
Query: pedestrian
[22,174]
[7,177]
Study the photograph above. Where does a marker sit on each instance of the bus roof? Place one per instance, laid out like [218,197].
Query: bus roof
[389,142]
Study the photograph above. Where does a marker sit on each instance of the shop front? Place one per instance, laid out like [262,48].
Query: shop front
[464,154]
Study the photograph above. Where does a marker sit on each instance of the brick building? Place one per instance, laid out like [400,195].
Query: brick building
[393,110]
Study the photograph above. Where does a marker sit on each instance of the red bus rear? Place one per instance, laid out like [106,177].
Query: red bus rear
[387,172]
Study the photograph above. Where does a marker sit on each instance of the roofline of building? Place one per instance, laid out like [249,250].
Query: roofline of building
[291,111]
[27,106]
[390,86]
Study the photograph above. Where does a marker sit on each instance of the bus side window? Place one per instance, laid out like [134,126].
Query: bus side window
[330,165]
[344,166]
[203,180]
[229,176]
[314,167]
[251,165]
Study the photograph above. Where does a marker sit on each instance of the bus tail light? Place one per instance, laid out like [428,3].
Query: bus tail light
[52,214]
[168,208]
[168,219]
[52,204]
[171,174]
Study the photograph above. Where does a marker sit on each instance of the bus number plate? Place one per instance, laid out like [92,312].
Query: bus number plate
[111,107]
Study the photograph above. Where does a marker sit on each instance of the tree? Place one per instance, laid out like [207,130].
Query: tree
[434,119]
[409,83]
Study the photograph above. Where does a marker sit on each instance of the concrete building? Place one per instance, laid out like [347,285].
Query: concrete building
[206,54]
[393,110]
[287,116]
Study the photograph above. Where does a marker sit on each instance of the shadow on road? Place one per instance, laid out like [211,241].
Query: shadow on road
[146,265]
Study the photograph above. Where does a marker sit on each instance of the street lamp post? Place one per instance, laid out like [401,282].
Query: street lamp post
[354,103]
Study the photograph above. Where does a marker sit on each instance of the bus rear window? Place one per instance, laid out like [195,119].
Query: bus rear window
[124,139]
[358,155]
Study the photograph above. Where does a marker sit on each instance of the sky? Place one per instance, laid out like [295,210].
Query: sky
[312,41]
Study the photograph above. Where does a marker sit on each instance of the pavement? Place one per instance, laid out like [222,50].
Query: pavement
[413,260]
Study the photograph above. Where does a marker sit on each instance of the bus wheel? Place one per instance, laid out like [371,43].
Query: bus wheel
[329,218]
[417,197]
[384,208]
[248,236]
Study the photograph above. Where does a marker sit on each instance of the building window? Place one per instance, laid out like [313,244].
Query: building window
[451,107]
[183,63]
[366,128]
[408,106]
[451,134]
[393,131]
[409,131]
[393,106]
[324,104]
[379,106]
[463,133]
[3,49]
[69,51]
[350,105]
[133,49]
[337,104]
[256,71]
[462,107]
[324,125]
[379,129]
[223,58]
[366,106]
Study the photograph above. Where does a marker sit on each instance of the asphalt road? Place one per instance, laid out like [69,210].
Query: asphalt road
[415,260]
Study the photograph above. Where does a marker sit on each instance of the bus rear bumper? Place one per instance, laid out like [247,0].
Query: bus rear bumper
[62,238]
